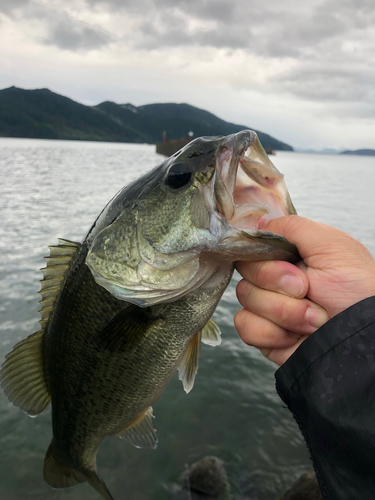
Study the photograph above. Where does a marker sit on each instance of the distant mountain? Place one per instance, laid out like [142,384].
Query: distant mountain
[43,114]
[326,151]
[362,152]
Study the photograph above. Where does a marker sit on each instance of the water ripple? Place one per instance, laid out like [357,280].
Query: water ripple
[54,189]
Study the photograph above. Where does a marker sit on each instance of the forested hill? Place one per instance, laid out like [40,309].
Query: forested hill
[43,114]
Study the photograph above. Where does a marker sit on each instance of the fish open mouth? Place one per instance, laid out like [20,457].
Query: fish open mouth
[249,190]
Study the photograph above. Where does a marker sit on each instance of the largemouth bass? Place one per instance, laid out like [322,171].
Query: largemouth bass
[125,309]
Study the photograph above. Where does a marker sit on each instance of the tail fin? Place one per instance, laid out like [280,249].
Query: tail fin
[60,476]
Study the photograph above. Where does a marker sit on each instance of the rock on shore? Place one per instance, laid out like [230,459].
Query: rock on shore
[305,488]
[203,480]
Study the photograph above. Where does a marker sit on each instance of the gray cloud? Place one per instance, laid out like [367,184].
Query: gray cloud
[328,44]
[221,10]
[61,29]
[263,27]
[7,7]
[313,38]
[173,33]
[335,59]
[265,22]
[68,34]
[164,23]
[330,83]
[292,36]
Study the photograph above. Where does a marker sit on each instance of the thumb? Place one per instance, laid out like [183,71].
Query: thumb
[311,238]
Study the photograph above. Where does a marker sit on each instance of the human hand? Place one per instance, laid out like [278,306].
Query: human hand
[285,303]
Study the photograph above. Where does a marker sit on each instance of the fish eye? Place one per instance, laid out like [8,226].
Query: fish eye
[179,175]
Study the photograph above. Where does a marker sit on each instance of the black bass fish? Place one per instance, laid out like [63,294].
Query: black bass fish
[125,309]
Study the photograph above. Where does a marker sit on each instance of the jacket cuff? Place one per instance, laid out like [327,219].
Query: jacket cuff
[333,333]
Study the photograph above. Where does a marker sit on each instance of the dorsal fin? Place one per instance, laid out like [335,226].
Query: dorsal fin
[58,263]
[22,373]
[189,364]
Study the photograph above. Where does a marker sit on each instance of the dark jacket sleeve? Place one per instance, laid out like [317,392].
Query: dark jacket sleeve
[329,385]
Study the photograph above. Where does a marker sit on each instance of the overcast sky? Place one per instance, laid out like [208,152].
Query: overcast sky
[302,71]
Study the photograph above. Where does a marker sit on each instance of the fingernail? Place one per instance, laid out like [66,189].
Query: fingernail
[292,285]
[316,317]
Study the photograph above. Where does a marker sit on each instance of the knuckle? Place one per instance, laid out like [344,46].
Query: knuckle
[258,272]
[282,310]
[241,287]
[239,320]
[245,291]
[242,322]
[291,312]
[264,274]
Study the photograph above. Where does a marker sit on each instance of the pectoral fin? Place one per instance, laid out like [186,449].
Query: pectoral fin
[189,364]
[125,330]
[142,433]
[211,334]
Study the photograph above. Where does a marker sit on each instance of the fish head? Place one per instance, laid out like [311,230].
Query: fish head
[180,226]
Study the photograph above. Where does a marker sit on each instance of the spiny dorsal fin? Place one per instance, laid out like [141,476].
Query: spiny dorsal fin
[211,334]
[141,433]
[22,373]
[22,376]
[58,262]
[189,364]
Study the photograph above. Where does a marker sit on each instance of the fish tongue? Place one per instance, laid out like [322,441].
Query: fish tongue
[247,216]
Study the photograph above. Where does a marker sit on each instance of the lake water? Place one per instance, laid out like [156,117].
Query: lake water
[52,189]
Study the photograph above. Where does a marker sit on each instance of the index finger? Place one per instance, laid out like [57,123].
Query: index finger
[276,276]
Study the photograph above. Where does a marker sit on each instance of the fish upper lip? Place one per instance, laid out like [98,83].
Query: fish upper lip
[249,190]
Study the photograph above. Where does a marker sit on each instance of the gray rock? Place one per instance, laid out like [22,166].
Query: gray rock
[203,480]
[305,488]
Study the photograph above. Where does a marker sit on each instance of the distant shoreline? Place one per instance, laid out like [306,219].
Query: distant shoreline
[42,114]
[360,152]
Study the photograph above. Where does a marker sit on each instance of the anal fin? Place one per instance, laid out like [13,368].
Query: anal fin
[189,365]
[142,433]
